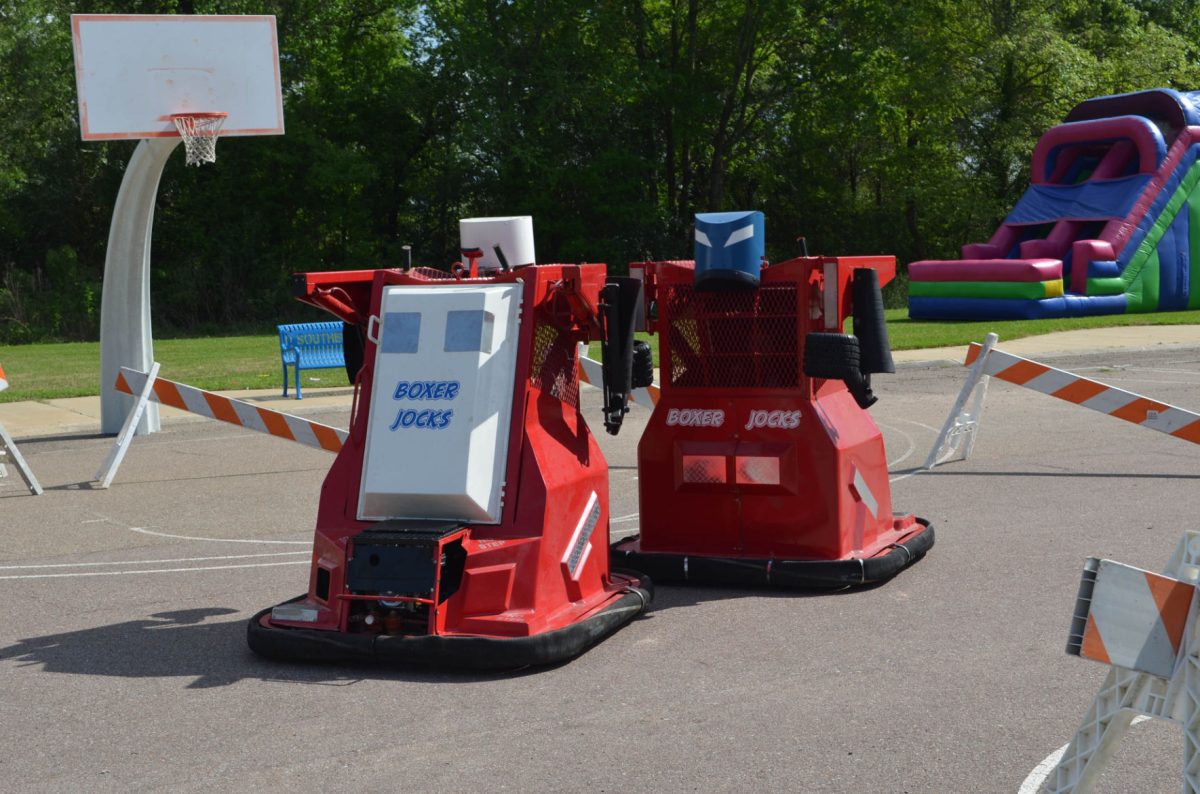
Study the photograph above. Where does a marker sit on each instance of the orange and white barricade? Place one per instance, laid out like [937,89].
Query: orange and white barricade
[591,373]
[1143,625]
[958,433]
[149,387]
[8,449]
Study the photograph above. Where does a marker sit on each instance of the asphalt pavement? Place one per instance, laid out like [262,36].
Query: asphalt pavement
[124,666]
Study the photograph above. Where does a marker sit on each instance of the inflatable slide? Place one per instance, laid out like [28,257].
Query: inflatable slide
[1110,223]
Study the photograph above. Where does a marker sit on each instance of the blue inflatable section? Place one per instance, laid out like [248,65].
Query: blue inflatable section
[1001,309]
[1173,270]
[1174,109]
[1110,198]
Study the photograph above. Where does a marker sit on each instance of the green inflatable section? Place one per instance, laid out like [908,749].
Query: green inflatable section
[1026,290]
[1140,279]
[1194,254]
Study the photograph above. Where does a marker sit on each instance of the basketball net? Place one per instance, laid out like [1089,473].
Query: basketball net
[199,132]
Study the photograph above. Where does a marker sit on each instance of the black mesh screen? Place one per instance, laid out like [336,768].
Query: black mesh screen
[553,369]
[745,339]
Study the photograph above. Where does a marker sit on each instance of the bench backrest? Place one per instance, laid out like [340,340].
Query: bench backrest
[315,344]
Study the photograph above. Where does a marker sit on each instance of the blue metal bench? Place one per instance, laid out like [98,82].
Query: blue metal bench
[309,346]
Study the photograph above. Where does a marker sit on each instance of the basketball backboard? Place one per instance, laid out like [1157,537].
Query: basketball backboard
[134,71]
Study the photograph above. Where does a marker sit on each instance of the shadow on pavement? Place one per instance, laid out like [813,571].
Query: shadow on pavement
[183,644]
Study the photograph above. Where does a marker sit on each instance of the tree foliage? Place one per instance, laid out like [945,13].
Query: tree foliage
[868,126]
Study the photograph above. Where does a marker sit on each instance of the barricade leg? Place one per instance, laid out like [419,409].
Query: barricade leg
[957,436]
[1191,727]
[1099,735]
[9,447]
[108,469]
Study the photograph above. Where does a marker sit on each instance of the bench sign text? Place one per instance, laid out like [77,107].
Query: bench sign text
[425,418]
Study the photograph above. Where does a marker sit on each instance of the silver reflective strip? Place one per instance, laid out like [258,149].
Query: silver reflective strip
[831,297]
[591,517]
[295,613]
[864,493]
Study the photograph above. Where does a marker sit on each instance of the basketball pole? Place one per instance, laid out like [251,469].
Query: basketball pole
[125,338]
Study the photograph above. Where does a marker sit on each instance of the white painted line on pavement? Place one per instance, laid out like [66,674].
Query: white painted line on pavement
[912,445]
[105,519]
[147,562]
[1042,771]
[933,430]
[1168,371]
[157,570]
[219,540]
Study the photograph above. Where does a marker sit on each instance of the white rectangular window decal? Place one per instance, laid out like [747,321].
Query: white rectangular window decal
[401,332]
[469,331]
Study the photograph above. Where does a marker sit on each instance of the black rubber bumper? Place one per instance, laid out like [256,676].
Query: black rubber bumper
[796,574]
[457,652]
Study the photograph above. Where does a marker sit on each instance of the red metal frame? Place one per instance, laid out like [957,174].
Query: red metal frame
[513,582]
[807,478]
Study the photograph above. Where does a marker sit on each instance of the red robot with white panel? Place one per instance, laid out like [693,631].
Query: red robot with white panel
[465,521]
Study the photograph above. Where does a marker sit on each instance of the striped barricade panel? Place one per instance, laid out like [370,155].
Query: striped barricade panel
[590,372]
[1092,394]
[1130,618]
[236,412]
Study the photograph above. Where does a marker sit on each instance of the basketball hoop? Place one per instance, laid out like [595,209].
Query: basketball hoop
[199,132]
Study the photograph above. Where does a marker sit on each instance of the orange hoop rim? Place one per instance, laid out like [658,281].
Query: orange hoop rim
[208,114]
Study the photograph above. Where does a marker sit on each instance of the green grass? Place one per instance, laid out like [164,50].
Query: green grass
[41,372]
[49,371]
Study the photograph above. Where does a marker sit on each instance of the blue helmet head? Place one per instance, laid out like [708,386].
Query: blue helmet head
[729,249]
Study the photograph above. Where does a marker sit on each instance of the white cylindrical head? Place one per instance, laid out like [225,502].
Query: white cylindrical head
[513,235]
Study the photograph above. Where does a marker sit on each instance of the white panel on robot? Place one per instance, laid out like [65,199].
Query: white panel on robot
[441,403]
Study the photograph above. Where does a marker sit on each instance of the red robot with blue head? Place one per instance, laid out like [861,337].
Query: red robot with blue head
[760,464]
